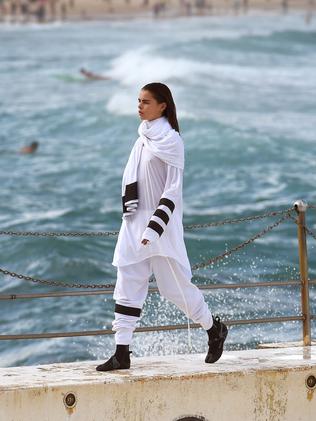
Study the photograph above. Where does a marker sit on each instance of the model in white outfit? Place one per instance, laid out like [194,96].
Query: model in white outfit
[165,255]
[151,239]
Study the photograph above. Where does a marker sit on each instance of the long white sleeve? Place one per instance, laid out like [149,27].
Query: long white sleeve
[170,198]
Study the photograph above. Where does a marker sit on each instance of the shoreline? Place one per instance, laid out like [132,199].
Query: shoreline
[94,10]
[122,17]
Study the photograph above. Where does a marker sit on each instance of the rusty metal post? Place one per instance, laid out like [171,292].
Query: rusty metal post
[300,208]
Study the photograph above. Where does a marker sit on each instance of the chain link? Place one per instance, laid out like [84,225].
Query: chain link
[193,267]
[60,234]
[240,246]
[55,283]
[114,233]
[239,220]
[308,230]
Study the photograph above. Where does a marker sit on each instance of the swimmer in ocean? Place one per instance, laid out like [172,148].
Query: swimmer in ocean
[30,148]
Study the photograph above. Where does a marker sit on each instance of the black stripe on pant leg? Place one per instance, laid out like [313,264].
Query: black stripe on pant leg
[156,227]
[162,215]
[128,311]
[167,202]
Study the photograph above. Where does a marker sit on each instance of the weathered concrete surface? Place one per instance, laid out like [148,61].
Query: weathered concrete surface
[254,385]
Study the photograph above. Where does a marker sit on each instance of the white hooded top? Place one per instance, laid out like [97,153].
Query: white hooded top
[157,164]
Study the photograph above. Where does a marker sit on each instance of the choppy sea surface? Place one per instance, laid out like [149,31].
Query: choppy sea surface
[245,89]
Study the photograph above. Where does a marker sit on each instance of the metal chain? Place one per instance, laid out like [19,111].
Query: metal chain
[114,233]
[193,267]
[59,283]
[60,234]
[240,246]
[55,283]
[244,219]
[308,230]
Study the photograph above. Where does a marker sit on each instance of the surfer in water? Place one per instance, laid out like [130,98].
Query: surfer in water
[93,76]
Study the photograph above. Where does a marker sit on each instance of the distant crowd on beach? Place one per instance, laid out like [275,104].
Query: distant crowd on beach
[35,10]
[51,10]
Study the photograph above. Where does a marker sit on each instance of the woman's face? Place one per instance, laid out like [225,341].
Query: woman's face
[148,107]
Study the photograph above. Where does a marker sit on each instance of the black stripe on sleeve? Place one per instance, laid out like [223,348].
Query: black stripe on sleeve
[123,203]
[167,202]
[128,311]
[131,192]
[162,215]
[156,227]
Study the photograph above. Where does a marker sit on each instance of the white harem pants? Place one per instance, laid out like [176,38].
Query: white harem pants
[173,283]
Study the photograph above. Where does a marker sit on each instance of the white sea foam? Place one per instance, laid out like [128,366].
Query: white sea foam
[240,27]
[144,65]
[236,208]
[10,359]
[28,216]
[32,26]
[289,125]
[136,68]
[10,285]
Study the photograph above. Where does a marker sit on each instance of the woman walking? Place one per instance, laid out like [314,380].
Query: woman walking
[151,236]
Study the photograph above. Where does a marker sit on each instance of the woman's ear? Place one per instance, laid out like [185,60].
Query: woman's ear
[163,106]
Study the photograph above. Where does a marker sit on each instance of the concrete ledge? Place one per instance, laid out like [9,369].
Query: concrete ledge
[264,384]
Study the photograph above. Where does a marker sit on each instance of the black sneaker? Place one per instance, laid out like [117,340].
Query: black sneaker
[119,361]
[216,335]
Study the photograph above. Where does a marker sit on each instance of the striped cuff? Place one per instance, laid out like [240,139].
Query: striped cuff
[130,199]
[150,235]
[159,220]
[127,311]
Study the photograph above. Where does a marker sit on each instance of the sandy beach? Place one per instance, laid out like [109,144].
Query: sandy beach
[47,10]
[96,8]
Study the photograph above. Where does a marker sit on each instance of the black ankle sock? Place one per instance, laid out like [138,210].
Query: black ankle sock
[121,351]
[211,329]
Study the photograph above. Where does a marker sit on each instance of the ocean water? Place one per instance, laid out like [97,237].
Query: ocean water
[245,89]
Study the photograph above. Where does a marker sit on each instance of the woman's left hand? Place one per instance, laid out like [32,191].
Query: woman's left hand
[144,241]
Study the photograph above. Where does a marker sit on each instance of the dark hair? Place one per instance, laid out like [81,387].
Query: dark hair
[162,93]
[34,145]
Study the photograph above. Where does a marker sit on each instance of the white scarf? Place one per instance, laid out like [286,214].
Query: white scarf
[164,142]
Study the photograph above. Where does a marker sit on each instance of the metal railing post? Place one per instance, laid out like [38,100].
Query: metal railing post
[300,208]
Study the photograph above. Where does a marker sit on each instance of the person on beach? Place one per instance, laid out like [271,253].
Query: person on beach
[309,11]
[285,6]
[93,76]
[151,240]
[30,148]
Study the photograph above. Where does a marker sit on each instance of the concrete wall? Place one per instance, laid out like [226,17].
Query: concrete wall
[244,385]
